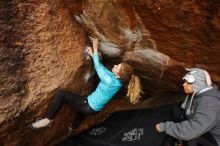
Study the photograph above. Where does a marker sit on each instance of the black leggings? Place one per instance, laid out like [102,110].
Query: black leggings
[77,102]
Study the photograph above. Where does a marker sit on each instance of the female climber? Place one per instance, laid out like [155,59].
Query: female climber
[109,85]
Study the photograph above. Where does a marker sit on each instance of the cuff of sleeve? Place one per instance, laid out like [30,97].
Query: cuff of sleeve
[162,127]
[95,54]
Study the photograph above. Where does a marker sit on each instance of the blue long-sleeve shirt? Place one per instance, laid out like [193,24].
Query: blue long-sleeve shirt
[107,87]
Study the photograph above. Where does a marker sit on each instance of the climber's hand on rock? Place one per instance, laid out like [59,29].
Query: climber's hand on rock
[89,51]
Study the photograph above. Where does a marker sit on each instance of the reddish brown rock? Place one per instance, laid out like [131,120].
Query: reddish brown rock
[41,50]
[186,31]
[42,45]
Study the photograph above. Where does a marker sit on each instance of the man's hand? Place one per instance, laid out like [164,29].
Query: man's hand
[89,51]
[95,43]
[157,126]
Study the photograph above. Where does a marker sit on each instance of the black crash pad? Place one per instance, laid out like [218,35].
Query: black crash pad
[125,128]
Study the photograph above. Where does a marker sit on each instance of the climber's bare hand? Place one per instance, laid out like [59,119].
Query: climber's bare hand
[89,51]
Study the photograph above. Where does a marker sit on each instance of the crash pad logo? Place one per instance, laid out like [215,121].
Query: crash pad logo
[133,135]
[98,131]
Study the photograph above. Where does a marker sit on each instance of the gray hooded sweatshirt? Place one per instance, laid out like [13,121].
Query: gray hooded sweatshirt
[202,111]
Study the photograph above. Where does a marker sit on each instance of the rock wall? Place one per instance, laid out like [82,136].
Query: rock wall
[42,50]
[186,31]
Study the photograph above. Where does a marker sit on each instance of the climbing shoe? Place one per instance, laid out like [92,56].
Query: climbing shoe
[40,123]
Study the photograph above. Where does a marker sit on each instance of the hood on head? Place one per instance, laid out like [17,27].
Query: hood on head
[199,78]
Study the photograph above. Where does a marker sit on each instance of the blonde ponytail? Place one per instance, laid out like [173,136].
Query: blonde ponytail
[134,89]
[134,85]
